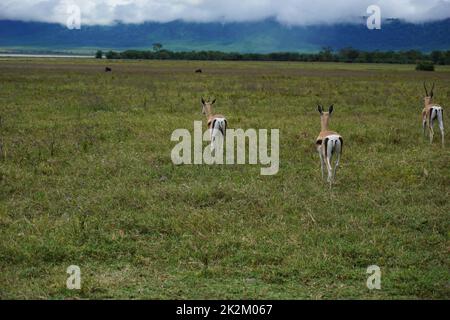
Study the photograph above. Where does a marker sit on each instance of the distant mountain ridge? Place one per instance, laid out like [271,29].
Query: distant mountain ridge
[262,37]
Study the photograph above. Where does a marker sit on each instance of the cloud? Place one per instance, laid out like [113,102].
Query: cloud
[289,12]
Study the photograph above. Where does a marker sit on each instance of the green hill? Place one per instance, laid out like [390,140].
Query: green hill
[263,36]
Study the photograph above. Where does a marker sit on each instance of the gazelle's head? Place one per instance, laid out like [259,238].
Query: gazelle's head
[207,106]
[324,116]
[428,96]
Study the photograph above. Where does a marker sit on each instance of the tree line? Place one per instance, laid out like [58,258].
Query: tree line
[325,55]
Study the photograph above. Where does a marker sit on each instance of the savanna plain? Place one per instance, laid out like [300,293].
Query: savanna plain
[86,179]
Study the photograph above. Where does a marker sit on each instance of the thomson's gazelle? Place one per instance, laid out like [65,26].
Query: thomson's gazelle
[216,122]
[430,113]
[328,143]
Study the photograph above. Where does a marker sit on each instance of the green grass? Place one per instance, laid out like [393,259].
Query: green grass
[86,178]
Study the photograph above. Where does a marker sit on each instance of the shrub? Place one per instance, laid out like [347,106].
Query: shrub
[425,66]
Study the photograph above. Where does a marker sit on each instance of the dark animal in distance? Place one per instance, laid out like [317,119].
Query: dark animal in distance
[198,71]
[108,69]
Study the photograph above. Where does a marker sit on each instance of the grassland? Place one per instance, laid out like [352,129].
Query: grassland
[86,178]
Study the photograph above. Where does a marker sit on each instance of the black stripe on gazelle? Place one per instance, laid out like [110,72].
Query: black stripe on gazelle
[225,129]
[325,143]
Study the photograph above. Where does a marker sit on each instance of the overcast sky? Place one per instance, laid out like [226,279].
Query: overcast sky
[289,12]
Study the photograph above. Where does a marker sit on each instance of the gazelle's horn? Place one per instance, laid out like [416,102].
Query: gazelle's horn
[432,89]
[425,87]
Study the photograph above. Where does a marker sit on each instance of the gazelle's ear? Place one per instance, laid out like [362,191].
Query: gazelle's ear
[425,87]
[319,108]
[213,101]
[330,109]
[203,101]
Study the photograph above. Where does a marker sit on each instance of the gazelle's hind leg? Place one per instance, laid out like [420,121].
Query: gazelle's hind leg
[328,157]
[431,123]
[216,142]
[424,126]
[440,117]
[213,141]
[337,150]
[319,150]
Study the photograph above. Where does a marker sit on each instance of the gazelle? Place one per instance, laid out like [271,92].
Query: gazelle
[430,113]
[328,143]
[217,123]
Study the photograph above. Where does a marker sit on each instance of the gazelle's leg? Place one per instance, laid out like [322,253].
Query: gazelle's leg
[424,126]
[319,149]
[441,124]
[430,125]
[218,143]
[212,140]
[338,157]
[328,161]
[431,133]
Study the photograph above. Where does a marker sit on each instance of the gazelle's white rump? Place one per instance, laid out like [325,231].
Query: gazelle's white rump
[333,137]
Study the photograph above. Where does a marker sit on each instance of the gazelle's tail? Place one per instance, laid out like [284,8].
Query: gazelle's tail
[440,118]
[218,132]
[333,146]
[219,125]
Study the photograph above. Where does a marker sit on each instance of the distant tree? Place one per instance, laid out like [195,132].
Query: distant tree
[437,57]
[157,46]
[326,54]
[348,54]
[164,54]
[99,54]
[109,55]
[112,55]
[413,55]
[446,57]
